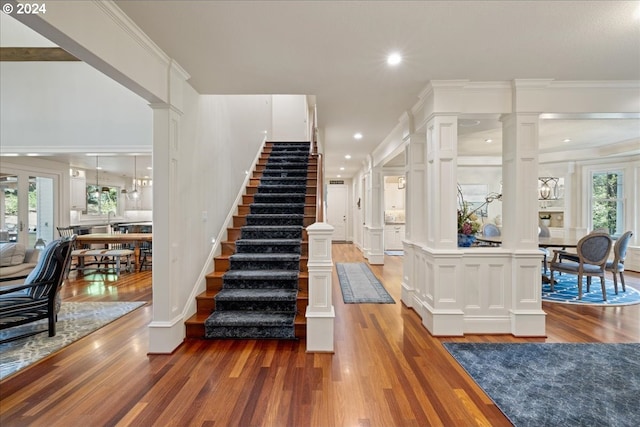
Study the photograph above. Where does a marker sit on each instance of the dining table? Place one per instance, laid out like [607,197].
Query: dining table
[134,239]
[543,242]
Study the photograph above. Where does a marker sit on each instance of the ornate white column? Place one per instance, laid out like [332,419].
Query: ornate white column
[415,211]
[166,330]
[441,288]
[374,229]
[320,312]
[520,230]
[442,152]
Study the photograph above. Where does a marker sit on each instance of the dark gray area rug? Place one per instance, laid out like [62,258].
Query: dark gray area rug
[359,285]
[75,320]
[557,384]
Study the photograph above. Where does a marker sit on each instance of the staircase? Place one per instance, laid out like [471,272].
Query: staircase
[258,288]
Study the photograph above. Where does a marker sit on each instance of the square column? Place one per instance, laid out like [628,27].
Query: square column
[166,330]
[520,226]
[415,210]
[441,185]
[440,289]
[374,231]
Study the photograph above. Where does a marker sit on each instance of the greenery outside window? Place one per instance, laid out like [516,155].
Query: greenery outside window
[607,201]
[102,200]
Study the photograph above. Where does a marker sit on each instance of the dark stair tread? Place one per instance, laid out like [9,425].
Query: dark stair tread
[265,242]
[250,318]
[261,274]
[275,215]
[272,227]
[257,295]
[265,257]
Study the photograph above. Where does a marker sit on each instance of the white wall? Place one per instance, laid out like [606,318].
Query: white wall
[290,113]
[69,107]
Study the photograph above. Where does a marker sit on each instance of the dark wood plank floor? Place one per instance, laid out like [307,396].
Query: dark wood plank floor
[387,370]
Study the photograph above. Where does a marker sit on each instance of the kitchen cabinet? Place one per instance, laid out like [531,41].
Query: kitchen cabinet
[393,236]
[393,196]
[78,193]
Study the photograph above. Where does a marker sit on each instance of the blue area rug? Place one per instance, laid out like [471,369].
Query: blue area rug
[360,285]
[394,253]
[75,320]
[557,384]
[566,291]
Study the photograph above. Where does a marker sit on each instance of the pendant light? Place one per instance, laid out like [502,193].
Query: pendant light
[96,192]
[134,193]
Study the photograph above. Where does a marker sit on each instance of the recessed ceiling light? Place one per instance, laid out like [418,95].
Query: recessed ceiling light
[566,140]
[467,123]
[149,168]
[348,156]
[338,176]
[342,168]
[357,135]
[10,154]
[488,141]
[394,59]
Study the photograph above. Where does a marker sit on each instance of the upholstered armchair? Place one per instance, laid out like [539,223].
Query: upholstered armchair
[36,298]
[619,254]
[592,251]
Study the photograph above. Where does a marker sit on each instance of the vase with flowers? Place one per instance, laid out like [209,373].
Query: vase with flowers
[468,223]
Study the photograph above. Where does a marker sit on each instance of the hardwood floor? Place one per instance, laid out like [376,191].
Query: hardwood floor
[387,369]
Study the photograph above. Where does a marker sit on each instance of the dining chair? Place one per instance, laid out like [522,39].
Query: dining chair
[146,255]
[593,252]
[490,230]
[543,231]
[116,253]
[572,256]
[619,254]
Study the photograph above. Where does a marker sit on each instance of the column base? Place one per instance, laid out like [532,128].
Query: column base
[320,331]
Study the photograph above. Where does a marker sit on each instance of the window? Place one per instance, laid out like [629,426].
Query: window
[101,200]
[607,203]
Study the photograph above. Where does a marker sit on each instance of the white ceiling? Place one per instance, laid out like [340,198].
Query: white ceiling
[336,51]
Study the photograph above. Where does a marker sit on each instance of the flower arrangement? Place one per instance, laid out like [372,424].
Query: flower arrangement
[468,222]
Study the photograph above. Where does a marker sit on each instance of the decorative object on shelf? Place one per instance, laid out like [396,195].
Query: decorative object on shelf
[402,182]
[465,240]
[545,219]
[549,188]
[468,223]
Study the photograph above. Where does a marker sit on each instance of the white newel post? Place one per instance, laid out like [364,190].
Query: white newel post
[320,311]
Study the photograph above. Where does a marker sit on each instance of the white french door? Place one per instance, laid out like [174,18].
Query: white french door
[27,203]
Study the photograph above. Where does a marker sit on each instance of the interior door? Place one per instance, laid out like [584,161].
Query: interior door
[337,210]
[26,207]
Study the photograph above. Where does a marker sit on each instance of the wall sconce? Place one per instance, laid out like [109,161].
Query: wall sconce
[547,188]
[402,182]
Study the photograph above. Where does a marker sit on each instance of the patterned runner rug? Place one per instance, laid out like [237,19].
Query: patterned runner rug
[557,384]
[360,285]
[75,320]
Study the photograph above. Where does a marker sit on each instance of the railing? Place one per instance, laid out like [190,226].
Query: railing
[320,190]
